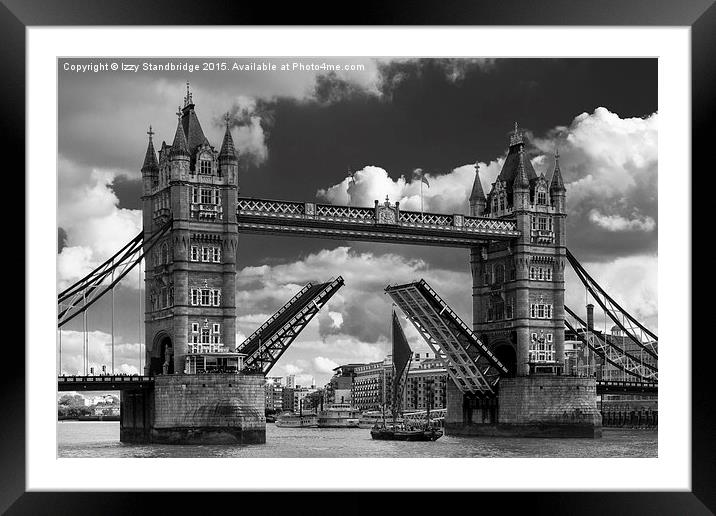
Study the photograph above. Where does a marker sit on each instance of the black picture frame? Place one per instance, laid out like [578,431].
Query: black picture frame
[700,15]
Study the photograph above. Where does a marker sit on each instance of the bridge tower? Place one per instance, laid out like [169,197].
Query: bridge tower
[518,286]
[199,395]
[190,274]
[518,312]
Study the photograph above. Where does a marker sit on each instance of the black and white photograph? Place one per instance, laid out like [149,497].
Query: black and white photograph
[368,257]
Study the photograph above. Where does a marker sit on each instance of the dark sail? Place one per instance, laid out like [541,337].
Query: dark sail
[401,348]
[401,358]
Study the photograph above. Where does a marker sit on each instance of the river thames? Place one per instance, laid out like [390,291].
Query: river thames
[101,439]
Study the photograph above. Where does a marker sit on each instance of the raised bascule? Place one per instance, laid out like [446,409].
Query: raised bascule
[506,369]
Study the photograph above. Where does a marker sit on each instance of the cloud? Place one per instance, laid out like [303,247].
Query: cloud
[324,365]
[248,124]
[126,354]
[631,281]
[619,223]
[94,226]
[610,167]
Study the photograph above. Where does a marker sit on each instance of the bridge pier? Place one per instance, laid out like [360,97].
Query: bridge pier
[196,409]
[527,406]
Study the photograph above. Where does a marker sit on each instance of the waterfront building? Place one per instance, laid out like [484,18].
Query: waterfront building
[293,397]
[426,382]
[340,387]
[372,384]
[274,393]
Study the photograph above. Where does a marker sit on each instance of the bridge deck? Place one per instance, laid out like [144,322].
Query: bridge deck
[626,387]
[103,383]
[264,347]
[470,364]
[382,223]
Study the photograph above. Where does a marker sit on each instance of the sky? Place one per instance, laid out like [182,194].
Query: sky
[300,133]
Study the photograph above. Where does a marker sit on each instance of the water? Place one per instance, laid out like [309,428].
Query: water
[101,439]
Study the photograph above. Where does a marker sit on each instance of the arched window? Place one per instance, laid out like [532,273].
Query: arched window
[541,197]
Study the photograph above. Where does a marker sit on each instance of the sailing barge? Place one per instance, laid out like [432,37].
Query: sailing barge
[405,430]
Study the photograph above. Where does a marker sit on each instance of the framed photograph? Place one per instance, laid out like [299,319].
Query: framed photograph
[429,256]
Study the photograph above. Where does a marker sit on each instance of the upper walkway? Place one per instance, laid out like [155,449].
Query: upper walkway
[382,223]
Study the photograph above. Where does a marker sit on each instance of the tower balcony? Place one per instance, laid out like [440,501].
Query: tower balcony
[542,236]
[204,211]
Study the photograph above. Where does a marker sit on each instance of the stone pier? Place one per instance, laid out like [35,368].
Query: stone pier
[528,406]
[196,409]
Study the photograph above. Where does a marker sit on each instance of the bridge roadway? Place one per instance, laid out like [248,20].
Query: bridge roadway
[382,223]
[103,382]
[626,387]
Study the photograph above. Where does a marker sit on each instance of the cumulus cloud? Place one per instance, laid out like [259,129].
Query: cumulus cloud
[94,226]
[324,365]
[248,130]
[446,193]
[620,223]
[610,167]
[631,281]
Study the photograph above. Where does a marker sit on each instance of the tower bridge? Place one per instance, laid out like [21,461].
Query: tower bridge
[506,369]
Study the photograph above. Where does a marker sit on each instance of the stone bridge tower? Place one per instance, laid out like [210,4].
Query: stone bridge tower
[190,273]
[518,311]
[518,287]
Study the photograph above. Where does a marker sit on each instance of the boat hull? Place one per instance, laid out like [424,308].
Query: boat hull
[405,435]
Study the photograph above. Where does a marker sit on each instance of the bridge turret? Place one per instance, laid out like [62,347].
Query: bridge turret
[521,185]
[228,160]
[478,201]
[150,167]
[556,188]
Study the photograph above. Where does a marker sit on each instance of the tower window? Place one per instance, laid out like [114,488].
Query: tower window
[216,254]
[205,254]
[206,296]
[205,166]
[540,311]
[541,197]
[206,196]
[194,253]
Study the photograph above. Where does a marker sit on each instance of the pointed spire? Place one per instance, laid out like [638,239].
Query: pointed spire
[150,159]
[179,147]
[188,100]
[478,193]
[521,180]
[228,151]
[516,137]
[557,184]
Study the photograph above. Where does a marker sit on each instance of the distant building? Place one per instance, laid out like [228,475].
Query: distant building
[340,387]
[290,381]
[292,397]
[372,384]
[274,393]
[106,409]
[426,383]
